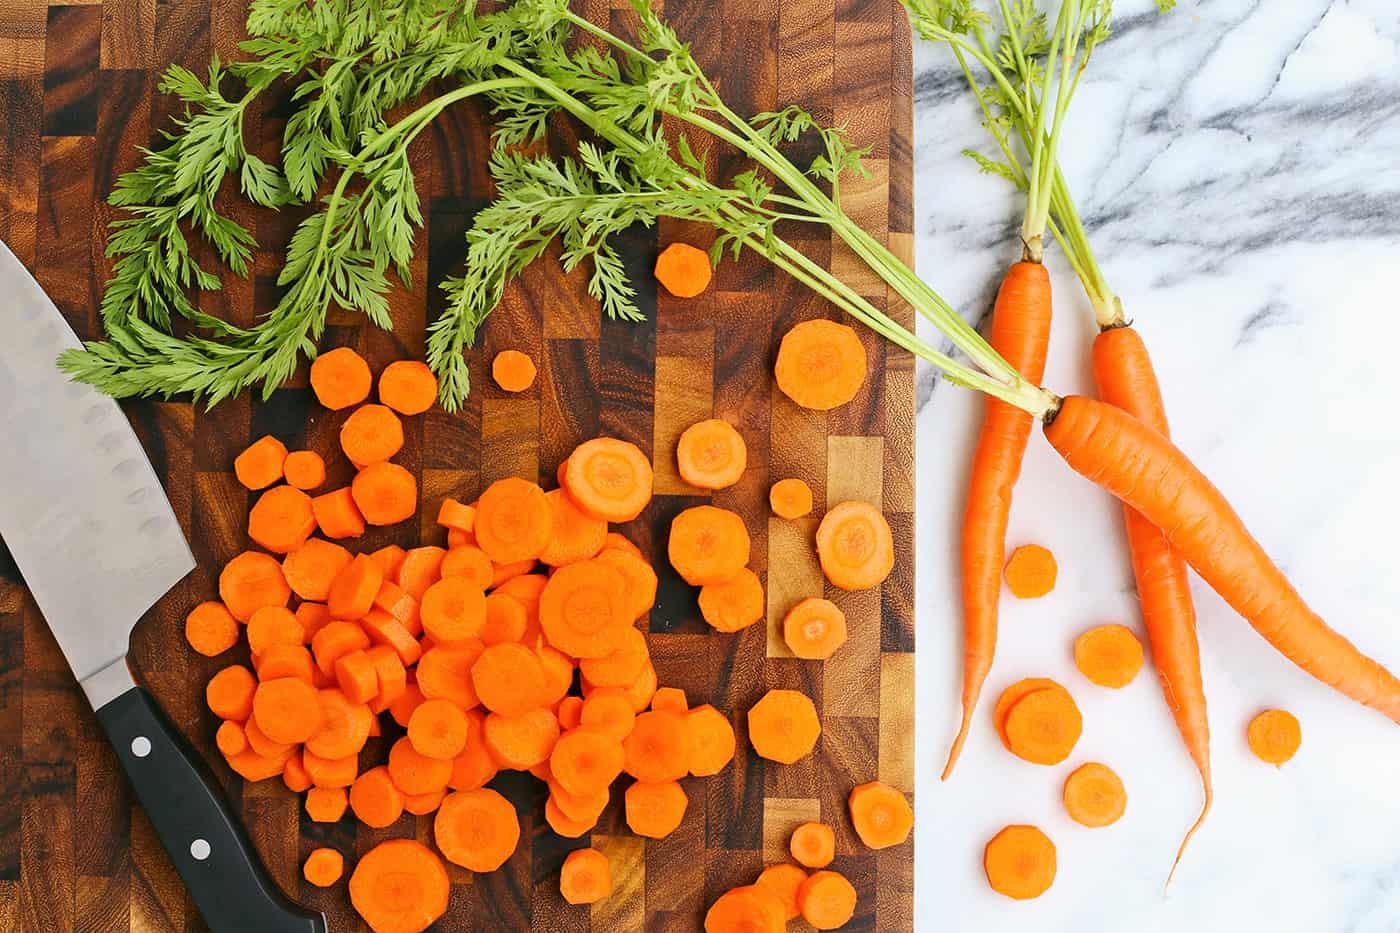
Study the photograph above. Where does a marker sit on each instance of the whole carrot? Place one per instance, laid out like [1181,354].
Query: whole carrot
[1143,469]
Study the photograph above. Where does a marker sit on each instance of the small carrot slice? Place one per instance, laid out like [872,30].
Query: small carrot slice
[261,463]
[586,877]
[827,900]
[400,886]
[1043,726]
[509,679]
[513,371]
[748,909]
[655,810]
[821,364]
[622,665]
[711,738]
[1274,736]
[783,880]
[477,829]
[609,479]
[814,628]
[574,535]
[569,712]
[522,741]
[609,711]
[438,729]
[356,677]
[385,493]
[563,824]
[1109,655]
[353,590]
[585,761]
[783,726]
[282,519]
[323,867]
[375,799]
[790,498]
[1031,571]
[334,640]
[813,845]
[211,629]
[683,270]
[421,568]
[657,749]
[453,514]
[326,804]
[229,693]
[734,604]
[584,610]
[711,454]
[340,378]
[881,815]
[304,469]
[344,726]
[708,545]
[287,710]
[264,747]
[1020,862]
[1094,795]
[641,690]
[444,672]
[229,738]
[372,434]
[453,610]
[855,546]
[408,387]
[294,775]
[640,578]
[337,515]
[251,581]
[505,621]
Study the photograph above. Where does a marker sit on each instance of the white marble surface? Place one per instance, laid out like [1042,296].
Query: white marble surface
[1239,166]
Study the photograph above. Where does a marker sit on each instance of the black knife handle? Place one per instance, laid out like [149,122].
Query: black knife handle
[205,840]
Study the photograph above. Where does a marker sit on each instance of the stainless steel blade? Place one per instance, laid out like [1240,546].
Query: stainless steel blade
[81,509]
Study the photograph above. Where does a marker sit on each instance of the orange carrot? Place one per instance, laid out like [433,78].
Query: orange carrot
[1044,726]
[273,625]
[586,877]
[251,581]
[390,559]
[558,670]
[1020,862]
[711,454]
[261,464]
[311,567]
[475,766]
[783,880]
[444,672]
[423,804]
[415,773]
[641,690]
[585,761]
[230,738]
[513,521]
[1031,571]
[326,804]
[608,710]
[375,800]
[390,677]
[337,515]
[356,677]
[421,568]
[813,845]
[211,629]
[471,564]
[814,629]
[253,767]
[505,621]
[313,617]
[372,434]
[477,829]
[264,747]
[563,824]
[1274,736]
[509,679]
[453,514]
[657,749]
[402,709]
[513,371]
[385,493]
[323,867]
[583,609]
[670,700]
[574,535]
[609,479]
[400,886]
[331,773]
[622,665]
[1094,795]
[711,739]
[734,604]
[1109,655]
[683,270]
[353,590]
[294,775]
[655,810]
[393,599]
[504,573]
[790,498]
[453,610]
[639,576]
[281,520]
[570,713]
[821,364]
[827,900]
[229,693]
[855,546]
[384,629]
[304,469]
[583,808]
[438,729]
[708,545]
[408,387]
[783,726]
[748,909]
[340,378]
[287,710]
[344,726]
[521,741]
[336,639]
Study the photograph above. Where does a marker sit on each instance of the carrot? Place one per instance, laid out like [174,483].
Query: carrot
[783,726]
[814,629]
[330,773]
[390,559]
[294,775]
[229,738]
[609,479]
[855,546]
[372,434]
[416,773]
[356,677]
[783,880]
[444,672]
[304,469]
[558,670]
[326,804]
[639,576]
[513,371]
[790,498]
[505,621]
[509,679]
[423,804]
[570,712]
[586,877]
[734,604]
[1274,736]
[313,617]
[400,886]
[273,625]
[1109,655]
[513,521]
[655,810]
[335,640]
[313,566]
[477,829]
[641,690]
[453,610]
[748,909]
[881,815]
[287,710]
[711,454]
[583,808]
[385,493]
[1031,571]
[408,387]
[1020,862]
[585,761]
[454,515]
[711,739]
[340,378]
[827,900]
[1011,695]
[657,750]
[384,629]
[563,824]
[708,545]
[262,746]
[344,726]
[670,700]
[337,515]
[229,693]
[584,611]
[609,711]
[251,581]
[821,364]
[1118,452]
[391,679]
[281,520]
[574,535]
[353,590]
[474,768]
[252,767]
[261,463]
[323,867]
[522,741]
[683,270]
[438,729]
[1094,795]
[1043,726]
[393,599]
[375,799]
[402,709]
[211,629]
[813,845]
[622,665]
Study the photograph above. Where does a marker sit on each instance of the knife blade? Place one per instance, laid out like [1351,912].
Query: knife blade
[77,492]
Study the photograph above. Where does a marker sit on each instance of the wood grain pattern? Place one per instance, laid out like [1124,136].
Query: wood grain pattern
[77,96]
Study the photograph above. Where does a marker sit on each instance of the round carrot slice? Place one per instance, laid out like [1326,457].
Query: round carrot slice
[609,479]
[408,387]
[1031,571]
[344,726]
[340,378]
[1094,795]
[821,364]
[708,545]
[814,629]
[583,609]
[1043,726]
[827,900]
[750,909]
[734,604]
[1011,695]
[445,672]
[711,740]
[513,371]
[385,493]
[514,521]
[1274,736]
[711,454]
[813,845]
[400,886]
[416,773]
[523,741]
[574,535]
[477,829]
[509,679]
[790,498]
[585,761]
[881,815]
[683,270]
[655,810]
[287,710]
[1109,655]
[1020,862]
[639,575]
[304,469]
[621,666]
[657,749]
[586,877]
[783,726]
[251,581]
[211,629]
[453,610]
[783,880]
[855,546]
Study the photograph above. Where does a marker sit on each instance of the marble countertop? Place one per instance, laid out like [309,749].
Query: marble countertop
[1238,164]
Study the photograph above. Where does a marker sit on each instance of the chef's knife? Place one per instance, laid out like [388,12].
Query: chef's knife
[94,536]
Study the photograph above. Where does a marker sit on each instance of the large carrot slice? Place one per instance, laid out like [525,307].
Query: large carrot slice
[734,604]
[1020,862]
[584,610]
[251,581]
[881,815]
[1044,726]
[514,521]
[827,900]
[340,378]
[476,829]
[1094,795]
[260,465]
[855,546]
[708,545]
[655,810]
[586,877]
[783,726]
[372,434]
[400,886]
[711,454]
[821,364]
[574,535]
[408,387]
[609,479]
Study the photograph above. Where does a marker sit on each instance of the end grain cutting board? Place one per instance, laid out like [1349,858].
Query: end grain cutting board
[77,98]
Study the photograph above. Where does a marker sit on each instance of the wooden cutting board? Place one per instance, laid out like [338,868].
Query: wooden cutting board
[77,98]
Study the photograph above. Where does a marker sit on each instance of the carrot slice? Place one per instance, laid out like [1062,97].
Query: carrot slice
[294,775]
[734,604]
[408,387]
[570,712]
[881,815]
[783,880]
[323,867]
[282,519]
[574,535]
[391,679]
[1274,736]
[423,804]
[1094,795]
[252,767]
[509,679]
[312,567]
[438,729]
[401,710]
[708,545]
[790,498]
[813,845]
[558,670]
[353,590]
[421,568]
[272,625]
[340,378]
[477,829]
[400,886]
[513,371]
[337,515]
[287,710]
[334,640]
[445,673]
[1043,726]
[261,463]
[372,434]
[264,747]
[657,749]
[475,766]
[251,581]
[513,521]
[683,270]
[749,909]
[453,610]
[330,773]
[1109,655]
[505,621]
[639,576]
[1020,862]
[385,493]
[326,804]
[356,676]
[415,773]
[344,726]
[783,726]
[855,546]
[821,364]
[211,629]
[229,693]
[670,700]
[471,564]
[1031,571]
[584,808]
[711,738]
[622,665]
[375,799]
[711,454]
[390,558]
[655,810]
[583,609]
[814,629]
[1011,695]
[827,900]
[609,479]
[585,762]
[404,608]
[384,629]
[523,740]
[609,711]
[304,469]
[230,738]
[563,824]
[641,690]
[586,877]
[313,617]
